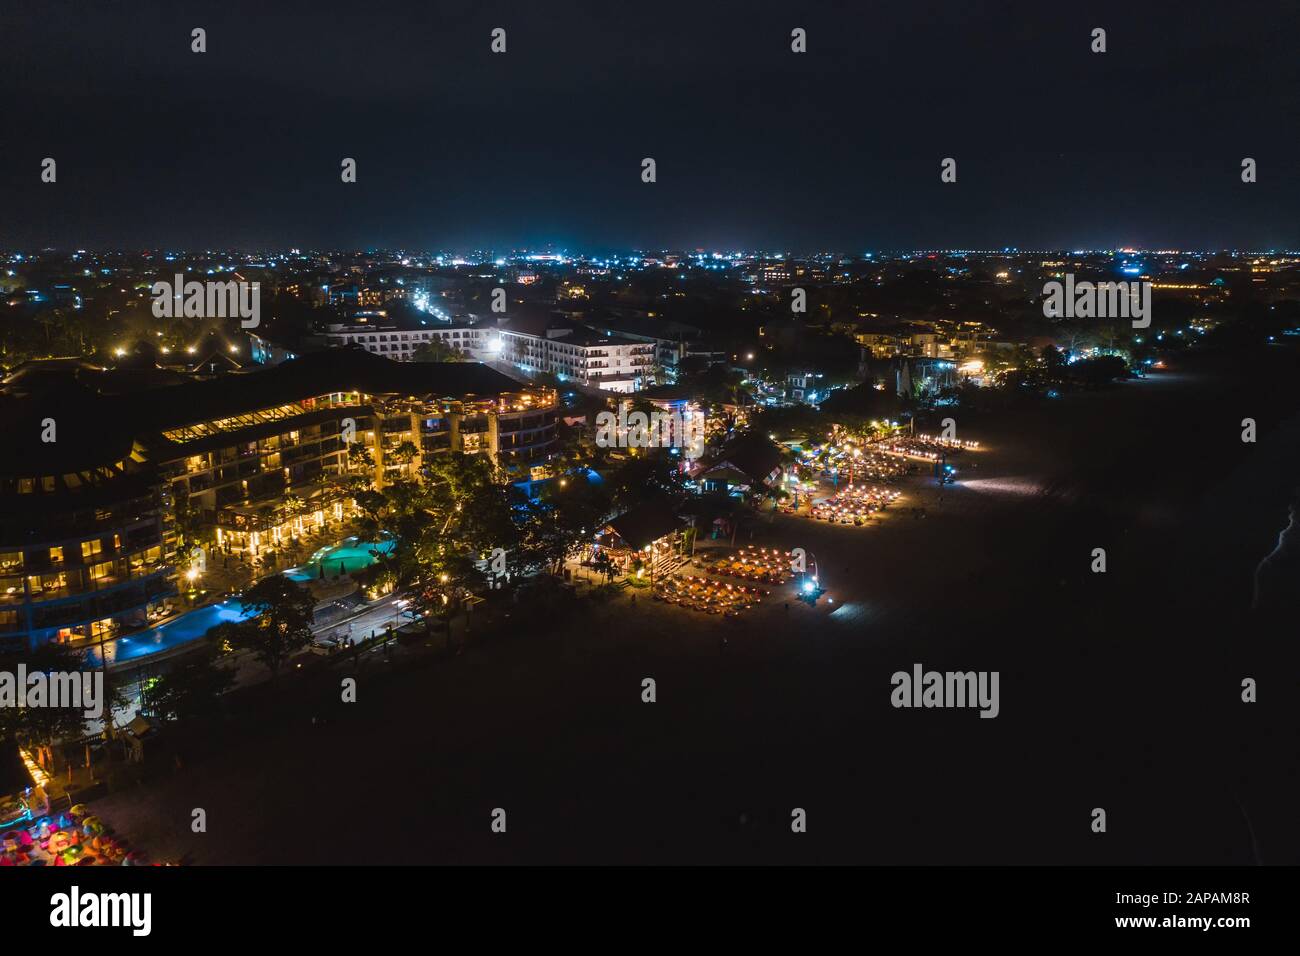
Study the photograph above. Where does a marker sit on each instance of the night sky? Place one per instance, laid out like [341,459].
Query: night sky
[1057,147]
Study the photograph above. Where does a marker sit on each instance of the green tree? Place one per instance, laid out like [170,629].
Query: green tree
[556,526]
[46,726]
[359,457]
[404,454]
[191,530]
[650,471]
[191,688]
[358,472]
[458,512]
[1054,360]
[280,624]
[436,350]
[574,450]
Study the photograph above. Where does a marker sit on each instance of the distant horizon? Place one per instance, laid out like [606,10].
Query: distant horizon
[572,253]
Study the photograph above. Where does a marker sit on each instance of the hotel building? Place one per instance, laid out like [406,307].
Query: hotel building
[572,352]
[377,334]
[91,520]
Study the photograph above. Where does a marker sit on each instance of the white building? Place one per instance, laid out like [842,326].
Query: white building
[373,332]
[574,353]
[577,353]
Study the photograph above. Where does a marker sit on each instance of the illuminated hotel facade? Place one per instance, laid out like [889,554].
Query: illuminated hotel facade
[574,353]
[91,522]
[86,558]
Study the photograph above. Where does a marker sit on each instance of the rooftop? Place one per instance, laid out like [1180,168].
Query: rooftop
[646,523]
[99,427]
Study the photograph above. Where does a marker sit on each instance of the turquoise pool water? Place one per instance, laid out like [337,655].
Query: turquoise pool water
[349,555]
[188,627]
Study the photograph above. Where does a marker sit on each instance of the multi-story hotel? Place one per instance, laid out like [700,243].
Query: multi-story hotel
[84,544]
[377,334]
[573,352]
[102,479]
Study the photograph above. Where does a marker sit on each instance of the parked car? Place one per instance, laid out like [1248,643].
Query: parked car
[325,646]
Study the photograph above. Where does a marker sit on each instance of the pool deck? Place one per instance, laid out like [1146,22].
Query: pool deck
[351,549]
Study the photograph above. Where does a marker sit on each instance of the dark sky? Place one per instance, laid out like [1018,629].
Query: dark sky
[756,146]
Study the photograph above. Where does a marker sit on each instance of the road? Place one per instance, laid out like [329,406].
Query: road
[373,618]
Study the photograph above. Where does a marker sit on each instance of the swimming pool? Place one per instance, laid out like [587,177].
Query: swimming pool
[350,554]
[181,630]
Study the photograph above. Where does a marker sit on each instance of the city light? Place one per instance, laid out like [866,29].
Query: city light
[253,554]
